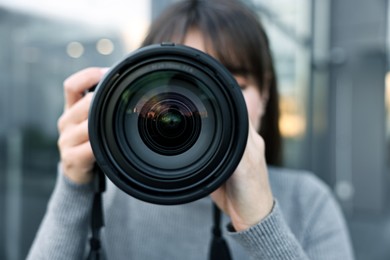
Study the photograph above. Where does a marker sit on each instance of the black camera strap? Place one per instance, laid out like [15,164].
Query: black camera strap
[219,249]
[97,220]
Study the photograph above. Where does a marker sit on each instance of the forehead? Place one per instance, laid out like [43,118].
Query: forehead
[195,39]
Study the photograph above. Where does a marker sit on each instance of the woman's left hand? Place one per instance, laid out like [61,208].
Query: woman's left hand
[246,196]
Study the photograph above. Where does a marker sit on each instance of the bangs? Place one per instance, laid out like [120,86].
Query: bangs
[225,31]
[226,47]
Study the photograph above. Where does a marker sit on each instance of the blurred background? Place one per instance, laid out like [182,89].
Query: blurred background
[332,59]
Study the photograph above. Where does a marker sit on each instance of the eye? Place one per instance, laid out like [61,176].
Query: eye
[243,86]
[242,82]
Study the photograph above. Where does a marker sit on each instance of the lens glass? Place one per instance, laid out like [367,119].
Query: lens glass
[169,123]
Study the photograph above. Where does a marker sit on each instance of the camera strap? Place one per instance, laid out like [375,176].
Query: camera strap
[219,249]
[97,220]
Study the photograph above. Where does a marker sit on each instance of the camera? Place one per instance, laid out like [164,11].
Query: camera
[168,124]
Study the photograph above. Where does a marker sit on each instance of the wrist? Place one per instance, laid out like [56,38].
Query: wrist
[258,215]
[77,177]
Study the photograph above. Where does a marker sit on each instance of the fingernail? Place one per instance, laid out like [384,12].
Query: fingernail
[104,70]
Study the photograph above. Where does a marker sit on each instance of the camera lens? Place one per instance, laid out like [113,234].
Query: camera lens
[168,124]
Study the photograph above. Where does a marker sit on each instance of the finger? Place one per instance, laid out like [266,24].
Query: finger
[78,160]
[83,153]
[75,114]
[77,84]
[74,136]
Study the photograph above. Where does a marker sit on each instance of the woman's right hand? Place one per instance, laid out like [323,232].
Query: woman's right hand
[77,159]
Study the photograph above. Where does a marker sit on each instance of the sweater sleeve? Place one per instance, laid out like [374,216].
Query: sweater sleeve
[270,239]
[64,228]
[324,235]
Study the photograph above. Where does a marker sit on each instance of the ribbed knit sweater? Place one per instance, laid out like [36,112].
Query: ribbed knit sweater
[305,223]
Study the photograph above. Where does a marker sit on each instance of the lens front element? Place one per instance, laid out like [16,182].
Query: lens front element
[169,123]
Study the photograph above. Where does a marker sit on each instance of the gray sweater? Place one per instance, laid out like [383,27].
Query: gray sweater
[305,223]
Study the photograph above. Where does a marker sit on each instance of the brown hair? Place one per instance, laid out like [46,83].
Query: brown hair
[238,41]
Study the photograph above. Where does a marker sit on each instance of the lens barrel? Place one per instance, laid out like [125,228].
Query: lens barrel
[168,124]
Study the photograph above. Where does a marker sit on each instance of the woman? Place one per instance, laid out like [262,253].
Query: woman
[270,213]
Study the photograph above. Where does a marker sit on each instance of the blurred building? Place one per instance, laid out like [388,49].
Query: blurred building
[36,55]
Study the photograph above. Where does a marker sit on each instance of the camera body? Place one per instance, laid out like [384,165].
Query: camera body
[168,124]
